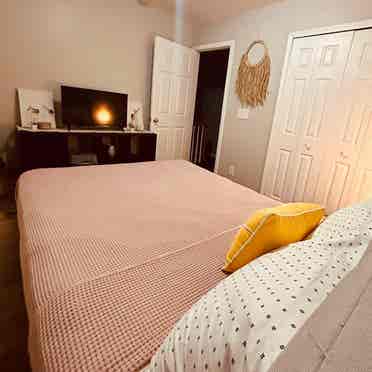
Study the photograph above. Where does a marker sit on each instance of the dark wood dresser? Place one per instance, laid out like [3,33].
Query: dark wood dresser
[61,147]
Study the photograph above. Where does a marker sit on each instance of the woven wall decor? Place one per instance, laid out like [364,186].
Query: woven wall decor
[253,80]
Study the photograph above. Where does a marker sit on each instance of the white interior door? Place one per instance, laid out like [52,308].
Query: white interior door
[356,137]
[174,82]
[304,123]
[288,129]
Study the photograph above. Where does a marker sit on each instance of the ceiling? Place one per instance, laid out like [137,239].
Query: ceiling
[208,11]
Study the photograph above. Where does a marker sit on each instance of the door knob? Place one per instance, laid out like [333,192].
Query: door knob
[155,123]
[307,147]
[343,155]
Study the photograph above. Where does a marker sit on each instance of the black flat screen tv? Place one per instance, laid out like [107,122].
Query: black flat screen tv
[93,109]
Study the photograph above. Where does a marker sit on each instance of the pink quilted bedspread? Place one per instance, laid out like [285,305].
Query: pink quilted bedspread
[112,256]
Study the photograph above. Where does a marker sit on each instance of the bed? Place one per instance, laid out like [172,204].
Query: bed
[118,261]
[105,252]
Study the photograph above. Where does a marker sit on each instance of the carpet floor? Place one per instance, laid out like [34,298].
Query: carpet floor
[13,317]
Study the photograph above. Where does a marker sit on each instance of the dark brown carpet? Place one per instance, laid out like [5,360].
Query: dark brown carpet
[13,318]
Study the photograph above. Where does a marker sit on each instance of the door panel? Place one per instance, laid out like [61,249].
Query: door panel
[294,116]
[303,177]
[183,61]
[164,96]
[364,185]
[304,116]
[280,173]
[351,132]
[328,70]
[360,77]
[182,94]
[179,135]
[324,153]
[349,154]
[361,186]
[290,113]
[175,70]
[316,116]
[335,190]
[365,61]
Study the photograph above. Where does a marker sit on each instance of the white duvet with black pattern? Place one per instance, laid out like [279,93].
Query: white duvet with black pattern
[247,320]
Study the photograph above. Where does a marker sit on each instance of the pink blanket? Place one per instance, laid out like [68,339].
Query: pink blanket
[112,256]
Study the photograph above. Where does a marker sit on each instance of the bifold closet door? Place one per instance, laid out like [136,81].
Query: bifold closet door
[303,128]
[350,174]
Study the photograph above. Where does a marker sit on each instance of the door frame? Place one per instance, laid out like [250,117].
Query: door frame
[353,26]
[230,44]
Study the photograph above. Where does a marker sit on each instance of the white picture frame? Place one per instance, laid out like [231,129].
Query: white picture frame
[41,100]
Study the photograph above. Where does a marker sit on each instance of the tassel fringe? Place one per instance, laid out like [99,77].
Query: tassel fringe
[253,80]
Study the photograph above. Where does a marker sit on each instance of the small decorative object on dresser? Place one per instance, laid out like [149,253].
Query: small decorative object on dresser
[36,108]
[135,116]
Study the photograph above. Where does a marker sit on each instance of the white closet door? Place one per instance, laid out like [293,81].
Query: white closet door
[357,129]
[302,127]
[175,72]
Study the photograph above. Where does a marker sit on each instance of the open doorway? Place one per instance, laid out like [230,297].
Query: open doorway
[210,106]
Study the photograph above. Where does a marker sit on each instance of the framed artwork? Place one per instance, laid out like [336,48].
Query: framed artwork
[36,106]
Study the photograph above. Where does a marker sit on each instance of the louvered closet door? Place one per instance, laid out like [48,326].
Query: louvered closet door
[350,178]
[302,128]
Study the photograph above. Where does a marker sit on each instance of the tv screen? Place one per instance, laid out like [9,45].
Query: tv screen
[93,109]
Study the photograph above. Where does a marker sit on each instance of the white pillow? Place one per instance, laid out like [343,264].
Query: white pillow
[249,318]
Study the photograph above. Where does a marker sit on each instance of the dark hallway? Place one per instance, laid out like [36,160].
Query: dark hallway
[208,108]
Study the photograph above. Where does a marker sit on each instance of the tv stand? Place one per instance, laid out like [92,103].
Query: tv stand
[61,147]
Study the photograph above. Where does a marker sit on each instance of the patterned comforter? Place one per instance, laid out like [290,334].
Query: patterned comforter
[248,320]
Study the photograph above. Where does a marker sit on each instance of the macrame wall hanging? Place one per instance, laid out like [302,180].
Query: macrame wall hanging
[253,80]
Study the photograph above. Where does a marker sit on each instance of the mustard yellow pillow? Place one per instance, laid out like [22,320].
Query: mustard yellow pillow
[272,228]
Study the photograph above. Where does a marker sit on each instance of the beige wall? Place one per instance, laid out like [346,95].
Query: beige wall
[104,44]
[108,45]
[245,141]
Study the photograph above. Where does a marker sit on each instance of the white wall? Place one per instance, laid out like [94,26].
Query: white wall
[245,142]
[105,44]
